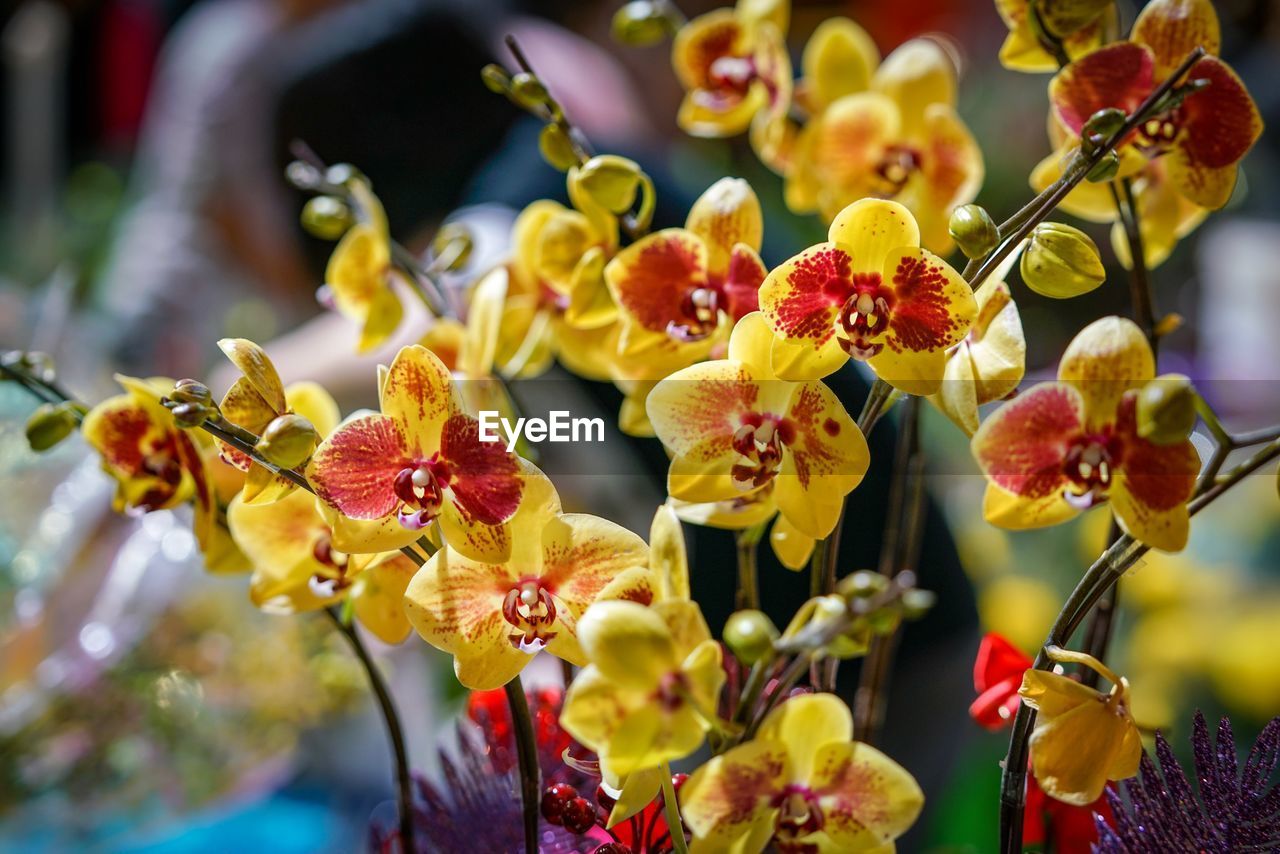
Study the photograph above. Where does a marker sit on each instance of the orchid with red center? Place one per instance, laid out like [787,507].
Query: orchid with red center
[418,461]
[1205,132]
[803,784]
[494,617]
[997,676]
[1065,446]
[871,293]
[734,428]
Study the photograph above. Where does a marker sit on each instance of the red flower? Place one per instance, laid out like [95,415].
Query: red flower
[997,675]
[1067,828]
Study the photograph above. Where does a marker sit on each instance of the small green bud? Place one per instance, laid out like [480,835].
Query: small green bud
[973,230]
[49,425]
[188,415]
[885,621]
[1166,409]
[288,441]
[862,584]
[641,23]
[496,79]
[556,147]
[1061,262]
[916,603]
[1062,18]
[1105,169]
[191,391]
[452,246]
[750,636]
[610,180]
[528,91]
[1100,127]
[326,217]
[342,174]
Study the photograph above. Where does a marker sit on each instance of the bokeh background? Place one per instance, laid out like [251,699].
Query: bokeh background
[144,705]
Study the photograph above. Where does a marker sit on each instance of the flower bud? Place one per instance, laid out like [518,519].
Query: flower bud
[528,91]
[452,246]
[1062,18]
[862,584]
[557,148]
[191,391]
[1061,262]
[1166,409]
[916,603]
[750,636]
[1105,169]
[49,425]
[342,174]
[973,230]
[610,180]
[641,23]
[34,363]
[326,217]
[288,441]
[885,621]
[1100,127]
[495,78]
[188,415]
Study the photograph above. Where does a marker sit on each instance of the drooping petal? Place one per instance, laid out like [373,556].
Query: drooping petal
[378,597]
[358,275]
[418,395]
[804,724]
[650,735]
[1219,124]
[1173,28]
[1022,446]
[1105,359]
[727,802]
[957,396]
[915,75]
[825,462]
[591,306]
[484,477]
[792,546]
[999,350]
[1120,75]
[354,469]
[637,792]
[582,554]
[838,60]
[1153,484]
[726,214]
[651,278]
[866,798]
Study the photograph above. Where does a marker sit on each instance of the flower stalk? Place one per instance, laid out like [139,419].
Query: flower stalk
[527,757]
[747,542]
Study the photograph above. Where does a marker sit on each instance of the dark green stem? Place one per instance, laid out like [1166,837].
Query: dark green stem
[748,544]
[527,754]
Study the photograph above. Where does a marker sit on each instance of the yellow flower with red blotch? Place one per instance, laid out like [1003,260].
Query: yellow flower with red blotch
[297,569]
[1065,446]
[494,617]
[255,400]
[802,783]
[359,273]
[1083,737]
[733,428]
[1022,49]
[871,293]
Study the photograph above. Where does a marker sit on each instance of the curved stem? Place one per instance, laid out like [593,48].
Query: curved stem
[391,719]
[527,754]
[748,543]
[671,809]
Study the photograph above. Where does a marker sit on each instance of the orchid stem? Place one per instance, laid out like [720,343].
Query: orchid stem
[748,543]
[671,808]
[527,754]
[391,720]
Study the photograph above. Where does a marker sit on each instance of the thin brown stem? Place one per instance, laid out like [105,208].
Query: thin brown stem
[747,542]
[527,756]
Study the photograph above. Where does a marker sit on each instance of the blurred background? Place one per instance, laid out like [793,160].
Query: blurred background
[144,704]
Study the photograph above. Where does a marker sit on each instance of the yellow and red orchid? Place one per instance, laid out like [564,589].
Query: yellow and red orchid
[733,428]
[902,139]
[802,783]
[651,688]
[255,400]
[1064,446]
[420,460]
[296,568]
[1083,737]
[733,65]
[871,293]
[1022,49]
[359,273]
[1205,135]
[494,617]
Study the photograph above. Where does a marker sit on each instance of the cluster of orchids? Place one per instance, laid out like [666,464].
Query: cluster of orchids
[405,521]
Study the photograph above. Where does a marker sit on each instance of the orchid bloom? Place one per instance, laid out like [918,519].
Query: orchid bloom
[871,293]
[359,273]
[1022,50]
[651,688]
[494,617]
[734,427]
[1205,135]
[255,400]
[1064,446]
[733,65]
[997,676]
[901,139]
[1083,737]
[418,461]
[680,284]
[297,569]
[802,783]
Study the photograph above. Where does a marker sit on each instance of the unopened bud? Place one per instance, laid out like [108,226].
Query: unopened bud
[1166,409]
[189,415]
[642,23]
[326,217]
[50,424]
[452,246]
[34,363]
[1105,169]
[916,603]
[528,91]
[288,441]
[1101,126]
[862,584]
[1061,262]
[556,147]
[495,78]
[750,636]
[1062,18]
[973,230]
[610,180]
[191,391]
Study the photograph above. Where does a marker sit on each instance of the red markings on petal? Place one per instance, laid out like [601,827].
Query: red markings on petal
[1022,446]
[1221,120]
[921,318]
[1158,476]
[123,431]
[817,282]
[742,282]
[355,468]
[653,281]
[1120,75]
[485,478]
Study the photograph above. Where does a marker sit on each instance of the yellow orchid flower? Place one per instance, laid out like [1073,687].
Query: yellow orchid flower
[494,617]
[871,293]
[802,783]
[255,400]
[1022,50]
[1064,446]
[296,568]
[991,360]
[901,139]
[359,273]
[649,693]
[1082,738]
[734,67]
[734,427]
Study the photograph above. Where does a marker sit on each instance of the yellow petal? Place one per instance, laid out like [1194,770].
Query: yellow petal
[628,643]
[957,397]
[826,460]
[867,799]
[800,361]
[1016,513]
[727,802]
[1105,359]
[358,275]
[484,320]
[872,231]
[638,791]
[583,554]
[792,546]
[752,344]
[252,361]
[378,596]
[279,539]
[726,214]
[312,402]
[366,536]
[650,735]
[444,339]
[912,372]
[1073,754]
[1173,28]
[418,394]
[590,304]
[1166,529]
[838,60]
[667,554]
[918,73]
[804,724]
[732,514]
[999,348]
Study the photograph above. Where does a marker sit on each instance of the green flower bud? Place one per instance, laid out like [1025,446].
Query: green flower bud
[556,147]
[862,584]
[610,180]
[191,391]
[452,246]
[885,621]
[288,441]
[916,603]
[50,424]
[1062,18]
[750,636]
[189,415]
[1105,169]
[1166,409]
[973,230]
[326,217]
[1101,126]
[496,79]
[642,23]
[528,91]
[1061,262]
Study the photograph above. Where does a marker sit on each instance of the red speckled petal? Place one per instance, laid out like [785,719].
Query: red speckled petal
[802,297]
[742,283]
[727,801]
[1173,28]
[825,462]
[727,214]
[867,799]
[702,402]
[582,555]
[1119,75]
[1219,124]
[486,479]
[1021,446]
[651,278]
[244,406]
[1153,484]
[933,306]
[418,394]
[354,469]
